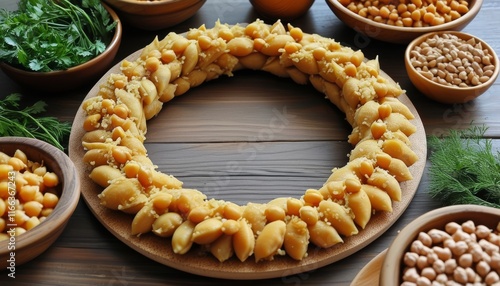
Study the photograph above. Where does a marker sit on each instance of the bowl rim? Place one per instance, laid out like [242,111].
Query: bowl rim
[62,212]
[134,11]
[473,10]
[144,3]
[461,35]
[285,14]
[112,44]
[411,230]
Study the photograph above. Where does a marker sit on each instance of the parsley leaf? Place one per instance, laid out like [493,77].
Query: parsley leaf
[48,35]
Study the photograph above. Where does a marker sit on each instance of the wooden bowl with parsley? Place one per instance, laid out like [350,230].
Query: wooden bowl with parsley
[67,44]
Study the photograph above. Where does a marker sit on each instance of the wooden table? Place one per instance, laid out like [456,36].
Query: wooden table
[230,120]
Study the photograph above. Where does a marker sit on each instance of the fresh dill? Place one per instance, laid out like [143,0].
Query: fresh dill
[25,122]
[464,168]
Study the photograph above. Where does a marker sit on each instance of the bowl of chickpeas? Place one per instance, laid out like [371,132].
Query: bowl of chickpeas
[452,245]
[152,15]
[451,67]
[39,191]
[401,22]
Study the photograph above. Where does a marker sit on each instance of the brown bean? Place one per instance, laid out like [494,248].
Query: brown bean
[459,58]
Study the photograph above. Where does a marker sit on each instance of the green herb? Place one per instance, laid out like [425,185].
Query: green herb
[464,168]
[21,122]
[48,35]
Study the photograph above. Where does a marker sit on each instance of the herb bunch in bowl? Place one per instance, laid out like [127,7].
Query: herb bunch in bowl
[51,35]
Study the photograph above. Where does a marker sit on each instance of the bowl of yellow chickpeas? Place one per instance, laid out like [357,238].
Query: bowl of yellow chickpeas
[401,22]
[452,245]
[451,67]
[39,191]
[152,15]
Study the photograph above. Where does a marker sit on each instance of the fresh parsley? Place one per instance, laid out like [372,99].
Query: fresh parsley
[25,123]
[49,35]
[464,168]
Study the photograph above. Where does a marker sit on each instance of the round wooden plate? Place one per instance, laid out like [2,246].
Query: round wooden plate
[199,262]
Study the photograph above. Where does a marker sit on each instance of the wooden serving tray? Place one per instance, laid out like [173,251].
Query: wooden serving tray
[251,137]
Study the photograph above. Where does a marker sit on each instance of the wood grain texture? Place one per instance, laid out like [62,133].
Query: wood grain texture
[87,253]
[254,166]
[249,107]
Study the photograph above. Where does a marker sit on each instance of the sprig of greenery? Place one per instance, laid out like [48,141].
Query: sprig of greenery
[464,168]
[48,35]
[23,123]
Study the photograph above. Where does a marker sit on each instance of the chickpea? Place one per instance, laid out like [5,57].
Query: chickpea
[31,180]
[464,63]
[425,238]
[438,266]
[410,259]
[414,13]
[462,253]
[465,260]
[50,200]
[492,278]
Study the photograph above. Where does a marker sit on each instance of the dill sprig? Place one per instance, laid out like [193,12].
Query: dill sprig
[23,123]
[464,168]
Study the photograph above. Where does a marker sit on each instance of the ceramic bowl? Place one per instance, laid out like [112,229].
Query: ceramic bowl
[155,15]
[449,94]
[285,10]
[72,78]
[391,270]
[394,34]
[33,242]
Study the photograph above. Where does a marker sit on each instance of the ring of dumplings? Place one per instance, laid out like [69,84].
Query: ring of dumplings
[115,129]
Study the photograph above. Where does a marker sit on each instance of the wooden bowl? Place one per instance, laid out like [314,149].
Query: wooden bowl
[391,271]
[394,34]
[155,15]
[33,242]
[72,78]
[285,10]
[449,94]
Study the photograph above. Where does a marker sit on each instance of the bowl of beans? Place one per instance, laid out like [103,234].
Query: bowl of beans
[402,21]
[39,191]
[453,245]
[153,15]
[451,67]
